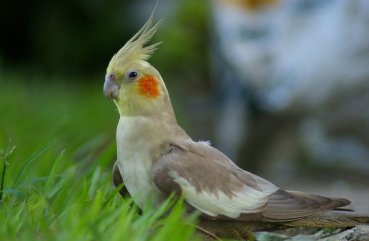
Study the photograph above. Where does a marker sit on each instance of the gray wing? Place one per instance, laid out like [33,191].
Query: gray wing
[210,181]
[214,185]
[117,180]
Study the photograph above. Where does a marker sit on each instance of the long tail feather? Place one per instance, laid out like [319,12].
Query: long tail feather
[333,218]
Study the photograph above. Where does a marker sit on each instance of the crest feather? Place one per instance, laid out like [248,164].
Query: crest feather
[135,48]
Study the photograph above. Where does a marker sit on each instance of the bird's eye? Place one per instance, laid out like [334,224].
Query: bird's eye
[132,74]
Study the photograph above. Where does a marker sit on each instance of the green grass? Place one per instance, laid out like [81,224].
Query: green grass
[57,184]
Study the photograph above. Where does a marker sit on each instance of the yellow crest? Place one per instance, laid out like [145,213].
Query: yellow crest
[135,49]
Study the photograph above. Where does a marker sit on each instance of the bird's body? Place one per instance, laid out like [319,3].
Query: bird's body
[155,156]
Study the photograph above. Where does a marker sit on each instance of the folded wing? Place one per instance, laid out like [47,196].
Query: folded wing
[214,185]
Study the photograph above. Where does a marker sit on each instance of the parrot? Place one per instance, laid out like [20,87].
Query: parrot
[156,158]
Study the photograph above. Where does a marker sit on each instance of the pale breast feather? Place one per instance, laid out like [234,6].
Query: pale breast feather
[134,158]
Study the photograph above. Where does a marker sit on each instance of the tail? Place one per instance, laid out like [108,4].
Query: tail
[333,218]
[329,219]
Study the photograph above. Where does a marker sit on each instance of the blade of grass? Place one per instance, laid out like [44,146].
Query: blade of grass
[4,155]
[29,161]
[53,173]
[94,181]
[2,180]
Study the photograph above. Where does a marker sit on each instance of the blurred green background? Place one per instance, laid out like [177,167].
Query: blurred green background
[78,38]
[53,57]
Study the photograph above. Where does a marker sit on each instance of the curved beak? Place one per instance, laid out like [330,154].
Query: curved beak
[111,87]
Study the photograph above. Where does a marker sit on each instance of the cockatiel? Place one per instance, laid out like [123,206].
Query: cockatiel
[156,158]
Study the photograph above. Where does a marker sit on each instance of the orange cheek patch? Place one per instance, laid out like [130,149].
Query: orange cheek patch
[149,86]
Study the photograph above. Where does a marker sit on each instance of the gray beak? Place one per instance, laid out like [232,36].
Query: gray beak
[111,87]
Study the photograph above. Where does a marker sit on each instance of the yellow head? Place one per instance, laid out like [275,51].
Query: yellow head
[136,86]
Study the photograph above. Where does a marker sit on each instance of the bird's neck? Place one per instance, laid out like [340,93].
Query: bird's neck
[142,106]
[153,130]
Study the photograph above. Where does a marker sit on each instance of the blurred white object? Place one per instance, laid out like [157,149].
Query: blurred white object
[323,51]
[305,55]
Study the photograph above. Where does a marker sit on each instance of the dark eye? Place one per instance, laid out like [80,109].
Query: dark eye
[132,74]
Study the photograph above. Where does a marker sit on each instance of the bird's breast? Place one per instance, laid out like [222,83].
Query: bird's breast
[135,154]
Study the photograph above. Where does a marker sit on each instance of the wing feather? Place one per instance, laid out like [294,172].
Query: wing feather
[214,185]
[210,181]
[118,180]
[291,205]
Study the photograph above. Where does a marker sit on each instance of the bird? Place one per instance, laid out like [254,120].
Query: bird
[156,158]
